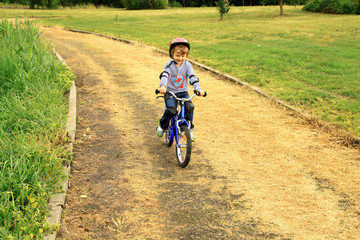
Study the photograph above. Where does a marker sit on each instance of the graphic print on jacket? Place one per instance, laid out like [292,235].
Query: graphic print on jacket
[177,80]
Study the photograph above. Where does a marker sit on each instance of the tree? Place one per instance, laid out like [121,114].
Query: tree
[281,7]
[223,7]
[50,4]
[145,4]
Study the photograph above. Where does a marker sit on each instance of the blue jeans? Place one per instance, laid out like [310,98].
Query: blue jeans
[171,109]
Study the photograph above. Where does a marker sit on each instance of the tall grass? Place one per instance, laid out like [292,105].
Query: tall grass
[33,115]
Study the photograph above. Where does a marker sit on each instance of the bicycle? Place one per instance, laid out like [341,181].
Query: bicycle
[179,130]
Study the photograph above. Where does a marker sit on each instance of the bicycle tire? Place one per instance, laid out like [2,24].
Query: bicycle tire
[183,147]
[169,140]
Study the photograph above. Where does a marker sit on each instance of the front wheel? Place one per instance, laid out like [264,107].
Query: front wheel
[183,147]
[169,137]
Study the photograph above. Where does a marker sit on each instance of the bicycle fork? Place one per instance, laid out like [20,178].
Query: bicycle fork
[179,122]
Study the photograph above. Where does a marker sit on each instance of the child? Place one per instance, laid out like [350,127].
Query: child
[174,78]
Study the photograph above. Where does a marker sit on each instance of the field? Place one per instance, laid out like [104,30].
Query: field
[309,60]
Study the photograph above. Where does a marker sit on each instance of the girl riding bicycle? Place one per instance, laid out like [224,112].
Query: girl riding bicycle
[176,76]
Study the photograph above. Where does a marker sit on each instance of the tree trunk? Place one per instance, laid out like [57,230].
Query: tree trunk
[281,7]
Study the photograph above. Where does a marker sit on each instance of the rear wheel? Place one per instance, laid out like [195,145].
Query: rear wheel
[183,148]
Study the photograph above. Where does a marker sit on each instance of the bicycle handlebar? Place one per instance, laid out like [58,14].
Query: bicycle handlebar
[157,91]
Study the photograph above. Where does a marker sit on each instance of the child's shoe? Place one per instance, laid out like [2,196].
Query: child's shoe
[159,131]
[192,137]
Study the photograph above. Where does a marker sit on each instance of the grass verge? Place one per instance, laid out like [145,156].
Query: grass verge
[33,118]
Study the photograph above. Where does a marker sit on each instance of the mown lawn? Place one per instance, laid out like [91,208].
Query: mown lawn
[310,60]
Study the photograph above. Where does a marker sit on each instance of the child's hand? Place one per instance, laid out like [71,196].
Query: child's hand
[162,89]
[202,93]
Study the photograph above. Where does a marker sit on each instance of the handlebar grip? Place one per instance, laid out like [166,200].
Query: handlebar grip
[157,91]
[198,93]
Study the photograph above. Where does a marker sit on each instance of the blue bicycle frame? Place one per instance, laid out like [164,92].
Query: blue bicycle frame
[179,129]
[176,122]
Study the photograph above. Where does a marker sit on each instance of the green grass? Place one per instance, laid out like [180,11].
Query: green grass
[310,60]
[33,116]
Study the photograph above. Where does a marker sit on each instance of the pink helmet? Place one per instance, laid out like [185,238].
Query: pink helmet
[178,41]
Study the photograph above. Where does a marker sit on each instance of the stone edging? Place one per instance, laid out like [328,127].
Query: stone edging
[57,201]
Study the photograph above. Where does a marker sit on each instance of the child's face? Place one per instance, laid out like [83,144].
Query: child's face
[179,58]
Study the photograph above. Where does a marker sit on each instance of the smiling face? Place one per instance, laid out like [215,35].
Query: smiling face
[179,58]
[179,53]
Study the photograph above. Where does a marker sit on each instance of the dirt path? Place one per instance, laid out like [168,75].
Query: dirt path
[256,171]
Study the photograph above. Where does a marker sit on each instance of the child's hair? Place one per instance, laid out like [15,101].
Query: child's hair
[180,48]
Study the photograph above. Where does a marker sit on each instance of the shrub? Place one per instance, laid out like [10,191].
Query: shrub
[145,4]
[347,6]
[357,9]
[50,4]
[332,6]
[174,3]
[117,4]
